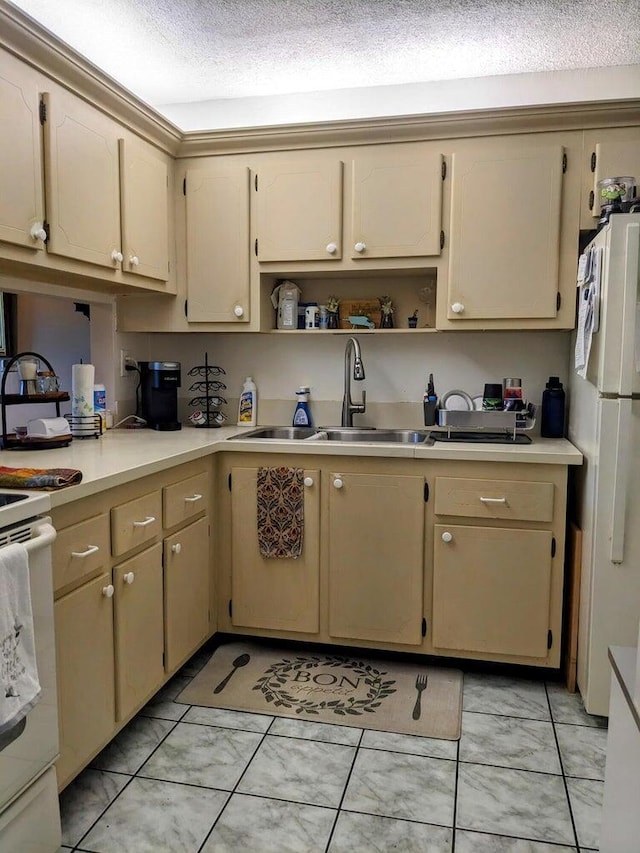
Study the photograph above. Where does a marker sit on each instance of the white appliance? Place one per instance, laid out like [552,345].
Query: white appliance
[29,808]
[604,423]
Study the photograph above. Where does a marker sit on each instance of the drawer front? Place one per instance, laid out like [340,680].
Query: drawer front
[135,523]
[185,499]
[504,499]
[80,552]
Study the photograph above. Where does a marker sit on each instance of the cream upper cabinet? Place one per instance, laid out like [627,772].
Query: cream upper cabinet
[144,181]
[505,232]
[610,153]
[396,201]
[376,557]
[298,209]
[217,242]
[82,182]
[21,197]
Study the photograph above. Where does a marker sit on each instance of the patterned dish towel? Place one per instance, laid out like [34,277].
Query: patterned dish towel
[39,478]
[280,511]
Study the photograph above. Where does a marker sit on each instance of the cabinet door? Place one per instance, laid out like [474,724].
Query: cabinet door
[139,635]
[299,210]
[397,202]
[505,232]
[82,182]
[614,152]
[376,557]
[145,226]
[85,673]
[280,594]
[217,211]
[187,568]
[21,200]
[491,590]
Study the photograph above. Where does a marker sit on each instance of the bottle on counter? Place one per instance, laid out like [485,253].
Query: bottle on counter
[302,414]
[553,409]
[248,405]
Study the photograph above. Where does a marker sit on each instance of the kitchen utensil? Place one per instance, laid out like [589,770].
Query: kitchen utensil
[421,684]
[241,660]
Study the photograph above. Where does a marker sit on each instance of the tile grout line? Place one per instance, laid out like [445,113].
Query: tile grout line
[564,778]
[344,790]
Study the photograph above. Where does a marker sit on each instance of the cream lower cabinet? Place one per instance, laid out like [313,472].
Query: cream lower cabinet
[376,557]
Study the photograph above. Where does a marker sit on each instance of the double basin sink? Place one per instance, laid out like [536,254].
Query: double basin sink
[289,433]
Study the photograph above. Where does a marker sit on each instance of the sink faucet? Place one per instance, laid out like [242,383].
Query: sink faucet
[349,408]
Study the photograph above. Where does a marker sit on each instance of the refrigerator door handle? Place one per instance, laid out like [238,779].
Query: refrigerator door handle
[620,480]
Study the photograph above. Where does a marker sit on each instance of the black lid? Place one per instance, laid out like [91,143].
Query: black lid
[554,382]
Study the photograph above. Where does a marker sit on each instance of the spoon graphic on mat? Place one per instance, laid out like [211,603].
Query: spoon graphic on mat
[241,660]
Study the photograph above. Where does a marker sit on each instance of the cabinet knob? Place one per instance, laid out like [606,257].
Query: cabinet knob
[134,260]
[108,591]
[128,577]
[116,256]
[38,232]
[338,483]
[332,248]
[457,307]
[446,536]
[177,548]
[308,481]
[238,310]
[360,247]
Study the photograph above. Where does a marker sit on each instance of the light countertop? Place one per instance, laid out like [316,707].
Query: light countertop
[122,455]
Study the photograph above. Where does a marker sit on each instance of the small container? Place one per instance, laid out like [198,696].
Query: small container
[302,414]
[553,409]
[492,397]
[20,431]
[323,317]
[616,190]
[311,316]
[248,404]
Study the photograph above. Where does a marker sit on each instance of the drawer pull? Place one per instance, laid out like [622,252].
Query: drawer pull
[108,591]
[177,548]
[82,554]
[446,536]
[149,520]
[194,499]
[128,577]
[493,500]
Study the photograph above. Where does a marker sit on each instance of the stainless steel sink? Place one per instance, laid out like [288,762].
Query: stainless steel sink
[279,433]
[394,436]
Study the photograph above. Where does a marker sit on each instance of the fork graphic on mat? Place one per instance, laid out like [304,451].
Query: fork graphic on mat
[421,683]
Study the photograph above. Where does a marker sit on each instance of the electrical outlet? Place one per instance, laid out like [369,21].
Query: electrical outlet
[124,355]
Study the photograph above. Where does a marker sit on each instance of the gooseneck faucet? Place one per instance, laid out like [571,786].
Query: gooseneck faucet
[349,408]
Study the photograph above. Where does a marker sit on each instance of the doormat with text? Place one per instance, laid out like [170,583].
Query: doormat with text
[406,698]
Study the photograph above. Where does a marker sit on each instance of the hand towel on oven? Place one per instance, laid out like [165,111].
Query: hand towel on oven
[19,685]
[280,494]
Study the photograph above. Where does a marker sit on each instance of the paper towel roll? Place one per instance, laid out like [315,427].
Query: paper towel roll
[82,380]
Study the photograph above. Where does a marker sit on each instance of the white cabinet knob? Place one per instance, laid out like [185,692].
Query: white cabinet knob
[128,577]
[338,483]
[360,247]
[457,307]
[108,591]
[134,260]
[308,481]
[238,310]
[38,232]
[332,248]
[177,548]
[446,536]
[116,256]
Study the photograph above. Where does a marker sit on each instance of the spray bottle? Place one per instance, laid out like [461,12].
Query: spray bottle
[302,414]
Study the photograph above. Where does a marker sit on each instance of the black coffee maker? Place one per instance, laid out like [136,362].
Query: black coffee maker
[159,383]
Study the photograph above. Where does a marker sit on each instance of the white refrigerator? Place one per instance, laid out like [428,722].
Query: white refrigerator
[604,423]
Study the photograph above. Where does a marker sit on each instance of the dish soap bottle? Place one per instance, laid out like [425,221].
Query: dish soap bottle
[248,405]
[553,405]
[302,414]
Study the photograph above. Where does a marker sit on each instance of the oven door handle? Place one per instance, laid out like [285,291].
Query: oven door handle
[45,533]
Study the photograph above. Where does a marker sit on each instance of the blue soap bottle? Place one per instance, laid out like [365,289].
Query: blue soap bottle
[302,414]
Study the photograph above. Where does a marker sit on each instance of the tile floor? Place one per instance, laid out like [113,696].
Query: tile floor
[526,776]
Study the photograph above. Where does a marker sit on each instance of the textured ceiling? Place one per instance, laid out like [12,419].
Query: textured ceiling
[179,51]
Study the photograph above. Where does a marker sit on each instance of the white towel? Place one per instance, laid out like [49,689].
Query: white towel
[19,685]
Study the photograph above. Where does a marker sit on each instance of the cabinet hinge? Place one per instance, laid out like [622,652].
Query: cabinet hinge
[42,111]
[442,239]
[230,609]
[592,199]
[184,186]
[186,305]
[426,492]
[424,627]
[255,181]
[444,169]
[594,160]
[558,301]
[229,482]
[47,230]
[549,638]
[255,247]
[553,546]
[564,163]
